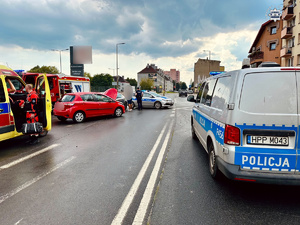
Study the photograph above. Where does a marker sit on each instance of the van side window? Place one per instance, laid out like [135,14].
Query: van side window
[2,92]
[208,92]
[222,93]
[200,92]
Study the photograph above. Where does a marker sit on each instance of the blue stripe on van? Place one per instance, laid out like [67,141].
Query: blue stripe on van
[266,159]
[5,107]
[209,124]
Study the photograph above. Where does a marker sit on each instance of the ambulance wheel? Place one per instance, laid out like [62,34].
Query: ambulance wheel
[61,118]
[43,134]
[157,105]
[79,117]
[213,168]
[118,112]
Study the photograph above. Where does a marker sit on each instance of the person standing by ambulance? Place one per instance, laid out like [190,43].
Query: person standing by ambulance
[31,110]
[139,97]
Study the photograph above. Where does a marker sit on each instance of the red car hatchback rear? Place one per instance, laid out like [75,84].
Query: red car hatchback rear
[79,106]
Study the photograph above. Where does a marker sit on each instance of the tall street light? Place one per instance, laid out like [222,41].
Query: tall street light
[117,66]
[56,50]
[209,54]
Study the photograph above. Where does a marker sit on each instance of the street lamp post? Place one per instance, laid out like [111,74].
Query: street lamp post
[209,54]
[117,66]
[55,50]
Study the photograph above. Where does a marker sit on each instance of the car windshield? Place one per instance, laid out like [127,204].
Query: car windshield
[68,98]
[119,95]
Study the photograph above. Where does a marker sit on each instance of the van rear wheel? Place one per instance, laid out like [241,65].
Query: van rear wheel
[213,168]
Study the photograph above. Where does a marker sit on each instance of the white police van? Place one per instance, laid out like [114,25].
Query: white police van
[248,122]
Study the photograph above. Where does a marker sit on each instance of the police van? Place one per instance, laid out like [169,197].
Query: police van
[12,117]
[248,121]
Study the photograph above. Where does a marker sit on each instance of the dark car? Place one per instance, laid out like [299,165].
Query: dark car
[121,98]
[183,93]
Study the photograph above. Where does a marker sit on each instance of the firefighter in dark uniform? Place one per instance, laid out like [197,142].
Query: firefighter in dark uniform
[31,110]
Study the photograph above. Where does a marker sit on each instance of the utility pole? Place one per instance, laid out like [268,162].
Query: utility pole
[117,63]
[55,50]
[209,57]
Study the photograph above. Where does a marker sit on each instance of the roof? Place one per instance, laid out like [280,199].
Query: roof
[260,32]
[148,69]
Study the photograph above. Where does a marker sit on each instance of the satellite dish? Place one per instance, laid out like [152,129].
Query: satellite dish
[128,92]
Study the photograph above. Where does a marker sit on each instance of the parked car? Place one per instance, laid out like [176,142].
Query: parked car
[248,123]
[82,105]
[183,93]
[121,98]
[190,92]
[153,100]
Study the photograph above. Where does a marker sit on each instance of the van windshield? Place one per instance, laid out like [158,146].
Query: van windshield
[271,93]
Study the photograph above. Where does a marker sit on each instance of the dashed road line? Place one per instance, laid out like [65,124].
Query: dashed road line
[6,166]
[34,180]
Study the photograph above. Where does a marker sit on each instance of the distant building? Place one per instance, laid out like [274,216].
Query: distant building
[174,74]
[267,44]
[160,79]
[122,82]
[203,67]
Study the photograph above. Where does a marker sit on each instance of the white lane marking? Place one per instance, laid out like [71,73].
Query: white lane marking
[172,115]
[138,180]
[18,221]
[141,213]
[34,180]
[6,166]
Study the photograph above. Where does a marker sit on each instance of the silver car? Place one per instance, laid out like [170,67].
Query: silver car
[153,100]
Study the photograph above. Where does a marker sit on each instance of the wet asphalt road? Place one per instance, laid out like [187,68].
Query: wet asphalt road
[88,169]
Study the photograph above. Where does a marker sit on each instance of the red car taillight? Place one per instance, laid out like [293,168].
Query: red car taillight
[232,135]
[68,105]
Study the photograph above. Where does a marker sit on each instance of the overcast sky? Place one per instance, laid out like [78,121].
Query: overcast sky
[169,33]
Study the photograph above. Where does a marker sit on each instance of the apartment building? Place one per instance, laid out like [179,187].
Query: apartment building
[161,81]
[174,74]
[267,44]
[290,34]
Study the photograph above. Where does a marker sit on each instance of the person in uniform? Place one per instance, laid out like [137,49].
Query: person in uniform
[139,96]
[31,110]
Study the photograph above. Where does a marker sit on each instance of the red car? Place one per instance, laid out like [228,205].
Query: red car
[81,105]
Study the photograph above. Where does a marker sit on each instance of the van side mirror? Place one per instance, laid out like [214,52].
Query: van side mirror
[191,98]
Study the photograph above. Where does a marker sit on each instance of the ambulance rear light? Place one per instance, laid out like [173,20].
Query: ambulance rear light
[232,135]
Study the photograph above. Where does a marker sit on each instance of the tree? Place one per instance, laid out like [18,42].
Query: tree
[88,75]
[183,85]
[44,69]
[177,86]
[146,84]
[132,81]
[102,80]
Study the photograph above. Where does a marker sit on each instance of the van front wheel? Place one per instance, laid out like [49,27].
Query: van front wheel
[213,168]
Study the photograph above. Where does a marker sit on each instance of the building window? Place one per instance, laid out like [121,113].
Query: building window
[273,30]
[290,62]
[298,59]
[272,46]
[291,43]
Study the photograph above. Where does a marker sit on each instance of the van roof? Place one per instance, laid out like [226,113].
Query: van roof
[7,71]
[255,70]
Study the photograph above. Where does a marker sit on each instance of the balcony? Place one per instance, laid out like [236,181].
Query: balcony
[288,13]
[287,32]
[286,52]
[256,57]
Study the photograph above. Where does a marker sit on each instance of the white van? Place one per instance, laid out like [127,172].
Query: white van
[248,122]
